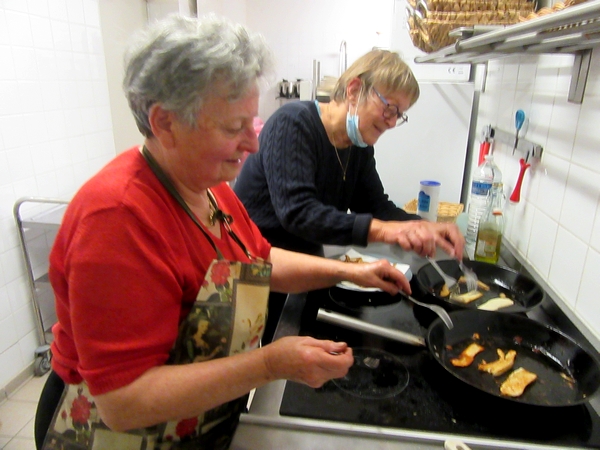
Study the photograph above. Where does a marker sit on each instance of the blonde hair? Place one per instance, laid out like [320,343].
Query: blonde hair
[383,68]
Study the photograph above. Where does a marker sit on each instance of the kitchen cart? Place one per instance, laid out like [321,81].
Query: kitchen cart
[38,220]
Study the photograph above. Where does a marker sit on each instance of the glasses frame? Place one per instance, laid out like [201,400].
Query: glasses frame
[390,111]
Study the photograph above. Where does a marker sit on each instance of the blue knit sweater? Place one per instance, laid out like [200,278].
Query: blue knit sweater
[294,190]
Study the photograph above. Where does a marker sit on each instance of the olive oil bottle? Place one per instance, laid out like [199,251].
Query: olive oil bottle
[491,227]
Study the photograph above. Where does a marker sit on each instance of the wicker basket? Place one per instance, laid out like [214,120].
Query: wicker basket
[472,5]
[558,6]
[432,20]
[447,212]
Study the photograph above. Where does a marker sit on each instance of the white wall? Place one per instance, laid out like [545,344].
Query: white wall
[556,226]
[55,132]
[118,20]
[300,32]
[233,9]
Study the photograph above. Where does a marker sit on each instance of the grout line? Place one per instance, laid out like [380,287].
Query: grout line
[20,380]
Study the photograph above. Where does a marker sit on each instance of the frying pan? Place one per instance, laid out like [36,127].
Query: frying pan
[567,373]
[525,292]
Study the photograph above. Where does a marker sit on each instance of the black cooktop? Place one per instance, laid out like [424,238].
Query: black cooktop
[432,400]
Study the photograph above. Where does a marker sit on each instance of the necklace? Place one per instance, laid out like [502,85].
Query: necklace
[337,153]
[217,214]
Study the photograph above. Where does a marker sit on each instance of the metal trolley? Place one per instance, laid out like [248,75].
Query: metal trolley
[38,220]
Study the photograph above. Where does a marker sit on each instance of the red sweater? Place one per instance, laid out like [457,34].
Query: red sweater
[126,267]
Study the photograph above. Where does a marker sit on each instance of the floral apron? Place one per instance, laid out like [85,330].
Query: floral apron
[227,318]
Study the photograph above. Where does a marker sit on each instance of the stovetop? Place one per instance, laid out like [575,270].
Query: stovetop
[433,400]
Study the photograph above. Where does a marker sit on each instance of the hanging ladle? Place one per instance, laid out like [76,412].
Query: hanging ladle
[515,197]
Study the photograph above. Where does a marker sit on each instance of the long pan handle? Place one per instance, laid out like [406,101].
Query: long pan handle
[342,320]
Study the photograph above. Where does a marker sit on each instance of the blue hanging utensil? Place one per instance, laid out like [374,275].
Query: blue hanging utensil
[519,121]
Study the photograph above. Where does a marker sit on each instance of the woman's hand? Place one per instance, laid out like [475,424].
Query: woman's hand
[419,236]
[307,360]
[379,274]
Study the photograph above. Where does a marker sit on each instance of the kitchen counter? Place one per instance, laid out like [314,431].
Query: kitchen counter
[264,428]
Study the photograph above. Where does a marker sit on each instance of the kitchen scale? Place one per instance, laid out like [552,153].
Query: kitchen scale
[428,398]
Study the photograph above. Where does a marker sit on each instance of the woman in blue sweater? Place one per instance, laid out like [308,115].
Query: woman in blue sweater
[314,179]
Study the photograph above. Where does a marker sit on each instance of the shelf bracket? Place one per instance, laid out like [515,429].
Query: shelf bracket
[579,75]
[484,76]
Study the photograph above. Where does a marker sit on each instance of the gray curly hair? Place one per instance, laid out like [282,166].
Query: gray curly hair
[178,61]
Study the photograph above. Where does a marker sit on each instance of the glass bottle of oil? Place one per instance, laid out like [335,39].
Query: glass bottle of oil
[491,227]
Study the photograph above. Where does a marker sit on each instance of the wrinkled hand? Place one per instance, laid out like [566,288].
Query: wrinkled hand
[307,360]
[379,274]
[419,236]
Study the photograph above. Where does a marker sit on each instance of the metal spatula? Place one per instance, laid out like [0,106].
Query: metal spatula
[450,282]
[441,312]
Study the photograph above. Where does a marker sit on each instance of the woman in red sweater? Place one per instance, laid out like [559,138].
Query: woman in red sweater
[161,278]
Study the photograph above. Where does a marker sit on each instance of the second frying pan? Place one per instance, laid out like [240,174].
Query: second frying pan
[567,373]
[523,290]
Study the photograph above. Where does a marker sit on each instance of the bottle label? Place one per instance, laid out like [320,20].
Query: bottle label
[487,247]
[424,201]
[480,187]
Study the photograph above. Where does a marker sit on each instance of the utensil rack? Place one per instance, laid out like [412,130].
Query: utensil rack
[527,148]
[574,30]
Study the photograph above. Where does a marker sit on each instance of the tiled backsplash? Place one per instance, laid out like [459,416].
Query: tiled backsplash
[556,225]
[55,132]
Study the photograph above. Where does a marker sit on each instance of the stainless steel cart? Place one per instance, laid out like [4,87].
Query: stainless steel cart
[38,220]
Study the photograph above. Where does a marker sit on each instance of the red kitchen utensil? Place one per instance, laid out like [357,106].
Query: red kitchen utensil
[484,149]
[515,197]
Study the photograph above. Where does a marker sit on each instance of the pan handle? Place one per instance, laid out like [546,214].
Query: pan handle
[342,320]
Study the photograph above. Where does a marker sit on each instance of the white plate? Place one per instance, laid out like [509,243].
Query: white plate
[351,253]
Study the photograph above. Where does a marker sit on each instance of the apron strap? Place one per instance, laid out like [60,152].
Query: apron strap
[166,182]
[226,219]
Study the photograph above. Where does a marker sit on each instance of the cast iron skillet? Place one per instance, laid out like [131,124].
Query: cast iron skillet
[567,373]
[525,292]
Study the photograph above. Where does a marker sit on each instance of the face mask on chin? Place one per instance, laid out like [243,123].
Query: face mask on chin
[352,125]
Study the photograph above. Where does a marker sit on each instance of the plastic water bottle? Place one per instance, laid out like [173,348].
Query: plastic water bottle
[486,178]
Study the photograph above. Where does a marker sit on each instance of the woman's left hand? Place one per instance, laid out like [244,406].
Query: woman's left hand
[380,274]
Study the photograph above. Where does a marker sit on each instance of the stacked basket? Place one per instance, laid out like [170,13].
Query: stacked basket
[447,212]
[430,21]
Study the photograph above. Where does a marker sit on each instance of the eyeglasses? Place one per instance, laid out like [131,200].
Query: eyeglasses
[391,111]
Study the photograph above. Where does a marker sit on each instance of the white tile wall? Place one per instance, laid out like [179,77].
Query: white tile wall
[556,226]
[55,132]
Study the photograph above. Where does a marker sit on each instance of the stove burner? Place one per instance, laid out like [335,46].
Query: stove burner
[356,300]
[433,401]
[375,374]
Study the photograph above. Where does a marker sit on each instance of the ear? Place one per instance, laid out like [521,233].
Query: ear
[353,90]
[162,123]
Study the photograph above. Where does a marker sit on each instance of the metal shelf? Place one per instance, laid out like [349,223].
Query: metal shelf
[574,30]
